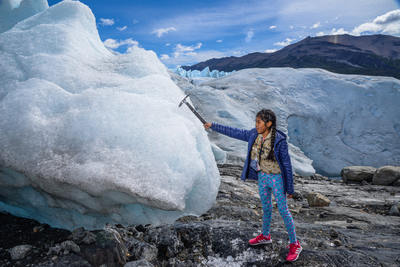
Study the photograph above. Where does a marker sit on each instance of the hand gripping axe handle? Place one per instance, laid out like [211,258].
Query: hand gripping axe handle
[192,109]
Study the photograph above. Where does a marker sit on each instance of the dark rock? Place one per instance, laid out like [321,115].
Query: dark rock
[70,246]
[139,263]
[394,210]
[19,252]
[337,242]
[141,228]
[141,250]
[109,249]
[333,233]
[386,175]
[357,173]
[166,240]
[297,196]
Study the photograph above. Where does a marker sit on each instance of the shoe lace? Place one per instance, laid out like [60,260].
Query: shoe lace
[292,248]
[260,237]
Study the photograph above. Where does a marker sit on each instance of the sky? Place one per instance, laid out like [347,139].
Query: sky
[187,32]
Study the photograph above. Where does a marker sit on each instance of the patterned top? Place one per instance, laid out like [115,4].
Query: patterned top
[266,165]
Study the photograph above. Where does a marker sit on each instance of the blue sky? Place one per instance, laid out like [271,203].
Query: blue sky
[187,32]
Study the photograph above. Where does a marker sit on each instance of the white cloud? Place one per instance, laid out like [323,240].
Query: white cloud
[114,44]
[186,50]
[167,44]
[316,25]
[335,31]
[122,28]
[135,21]
[164,57]
[270,50]
[272,27]
[320,34]
[287,42]
[219,41]
[160,32]
[249,36]
[106,22]
[388,23]
[191,58]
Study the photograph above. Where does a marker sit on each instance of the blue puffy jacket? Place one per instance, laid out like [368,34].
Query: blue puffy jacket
[280,150]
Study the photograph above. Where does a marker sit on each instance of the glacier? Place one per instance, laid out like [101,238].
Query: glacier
[89,136]
[331,120]
[206,72]
[13,11]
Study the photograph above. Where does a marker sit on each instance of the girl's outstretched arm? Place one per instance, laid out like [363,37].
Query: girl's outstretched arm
[229,131]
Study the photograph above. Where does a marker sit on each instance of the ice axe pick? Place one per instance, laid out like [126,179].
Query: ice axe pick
[192,109]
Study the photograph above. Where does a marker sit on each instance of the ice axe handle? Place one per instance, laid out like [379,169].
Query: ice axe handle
[195,113]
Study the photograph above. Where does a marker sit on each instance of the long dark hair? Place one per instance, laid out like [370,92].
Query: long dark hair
[267,115]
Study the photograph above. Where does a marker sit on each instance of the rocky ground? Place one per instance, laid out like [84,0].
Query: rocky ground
[360,227]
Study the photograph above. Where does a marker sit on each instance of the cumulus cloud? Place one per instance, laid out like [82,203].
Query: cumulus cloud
[320,34]
[270,50]
[335,31]
[249,36]
[186,50]
[114,44]
[287,42]
[190,58]
[122,28]
[316,25]
[272,27]
[164,57]
[388,23]
[160,32]
[219,41]
[106,22]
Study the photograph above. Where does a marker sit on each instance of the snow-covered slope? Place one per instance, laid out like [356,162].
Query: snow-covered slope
[88,136]
[336,120]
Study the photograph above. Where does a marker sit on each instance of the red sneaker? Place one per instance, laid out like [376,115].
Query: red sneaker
[260,239]
[294,251]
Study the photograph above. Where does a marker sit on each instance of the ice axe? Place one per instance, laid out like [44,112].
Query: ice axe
[192,109]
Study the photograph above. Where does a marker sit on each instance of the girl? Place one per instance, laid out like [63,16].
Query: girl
[268,162]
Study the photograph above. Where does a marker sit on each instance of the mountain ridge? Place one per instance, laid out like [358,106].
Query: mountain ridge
[377,55]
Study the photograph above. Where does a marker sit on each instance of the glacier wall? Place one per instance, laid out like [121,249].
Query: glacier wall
[331,120]
[89,136]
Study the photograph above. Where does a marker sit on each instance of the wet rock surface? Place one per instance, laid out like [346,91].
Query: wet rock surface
[358,228]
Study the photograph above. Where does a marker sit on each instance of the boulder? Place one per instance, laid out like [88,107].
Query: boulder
[357,173]
[317,200]
[394,210]
[19,252]
[387,175]
[139,263]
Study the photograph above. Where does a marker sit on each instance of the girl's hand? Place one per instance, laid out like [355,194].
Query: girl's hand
[207,125]
[290,196]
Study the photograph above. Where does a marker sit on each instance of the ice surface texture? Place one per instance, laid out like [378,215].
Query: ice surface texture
[89,136]
[13,11]
[336,120]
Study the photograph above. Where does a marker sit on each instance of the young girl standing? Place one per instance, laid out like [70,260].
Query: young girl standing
[268,162]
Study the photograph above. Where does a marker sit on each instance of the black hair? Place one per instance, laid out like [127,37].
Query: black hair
[267,115]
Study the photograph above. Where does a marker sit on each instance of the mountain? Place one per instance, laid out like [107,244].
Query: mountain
[346,54]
